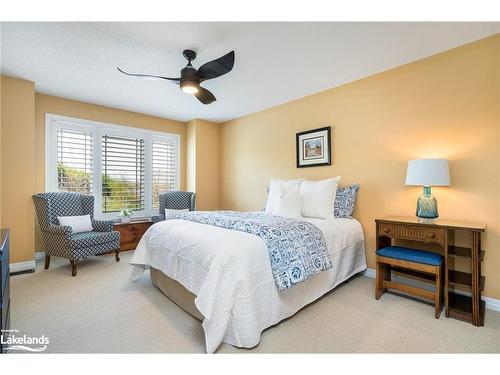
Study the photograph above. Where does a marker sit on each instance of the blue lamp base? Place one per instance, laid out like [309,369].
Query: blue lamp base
[427,205]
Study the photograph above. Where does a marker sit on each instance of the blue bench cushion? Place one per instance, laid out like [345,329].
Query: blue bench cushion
[411,255]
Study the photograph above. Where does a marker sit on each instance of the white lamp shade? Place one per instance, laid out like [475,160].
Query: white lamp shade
[428,172]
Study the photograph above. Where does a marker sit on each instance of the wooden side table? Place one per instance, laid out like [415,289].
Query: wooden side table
[441,233]
[131,233]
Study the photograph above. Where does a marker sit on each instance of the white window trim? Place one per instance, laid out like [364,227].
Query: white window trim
[54,122]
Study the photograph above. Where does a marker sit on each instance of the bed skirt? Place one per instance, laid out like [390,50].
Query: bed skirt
[175,292]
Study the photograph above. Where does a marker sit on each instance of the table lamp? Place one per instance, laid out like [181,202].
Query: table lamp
[427,173]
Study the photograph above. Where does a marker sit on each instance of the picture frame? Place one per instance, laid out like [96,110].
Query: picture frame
[313,147]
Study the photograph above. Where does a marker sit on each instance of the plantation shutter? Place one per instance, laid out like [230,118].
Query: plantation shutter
[74,161]
[164,171]
[122,173]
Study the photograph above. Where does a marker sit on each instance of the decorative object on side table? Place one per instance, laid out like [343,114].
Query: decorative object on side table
[125,214]
[314,147]
[427,173]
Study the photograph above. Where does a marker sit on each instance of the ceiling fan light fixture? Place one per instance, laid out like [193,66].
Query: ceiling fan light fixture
[190,78]
[190,87]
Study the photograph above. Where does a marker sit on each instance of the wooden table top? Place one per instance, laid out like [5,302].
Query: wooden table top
[437,223]
[132,222]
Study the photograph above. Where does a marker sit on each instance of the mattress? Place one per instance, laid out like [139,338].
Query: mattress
[229,273]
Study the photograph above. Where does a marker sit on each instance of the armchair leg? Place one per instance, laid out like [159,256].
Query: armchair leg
[117,252]
[73,267]
[47,261]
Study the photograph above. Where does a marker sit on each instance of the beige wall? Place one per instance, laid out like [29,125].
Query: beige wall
[0,140]
[203,161]
[0,127]
[208,165]
[191,156]
[18,165]
[66,107]
[445,106]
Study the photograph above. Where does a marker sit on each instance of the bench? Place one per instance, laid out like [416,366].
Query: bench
[418,262]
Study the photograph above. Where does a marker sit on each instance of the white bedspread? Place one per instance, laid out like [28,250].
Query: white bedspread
[230,274]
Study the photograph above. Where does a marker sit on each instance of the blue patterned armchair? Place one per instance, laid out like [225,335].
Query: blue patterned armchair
[175,200]
[60,241]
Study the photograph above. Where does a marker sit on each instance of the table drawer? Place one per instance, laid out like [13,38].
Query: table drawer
[404,232]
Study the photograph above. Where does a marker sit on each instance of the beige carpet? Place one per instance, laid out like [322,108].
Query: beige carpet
[101,311]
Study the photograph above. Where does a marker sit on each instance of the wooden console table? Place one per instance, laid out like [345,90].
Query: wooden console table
[440,235]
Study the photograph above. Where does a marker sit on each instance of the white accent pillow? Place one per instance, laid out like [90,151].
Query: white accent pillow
[77,223]
[171,214]
[317,198]
[288,203]
[275,192]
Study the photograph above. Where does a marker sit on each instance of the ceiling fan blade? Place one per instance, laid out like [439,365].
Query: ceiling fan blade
[205,96]
[216,68]
[148,76]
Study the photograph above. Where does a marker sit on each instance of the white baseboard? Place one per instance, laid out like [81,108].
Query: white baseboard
[28,265]
[369,272]
[40,255]
[491,303]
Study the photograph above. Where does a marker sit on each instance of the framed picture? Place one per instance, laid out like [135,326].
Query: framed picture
[314,147]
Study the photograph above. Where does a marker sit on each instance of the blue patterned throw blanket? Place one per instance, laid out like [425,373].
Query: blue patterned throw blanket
[297,248]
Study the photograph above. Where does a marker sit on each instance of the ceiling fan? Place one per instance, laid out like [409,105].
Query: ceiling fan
[191,78]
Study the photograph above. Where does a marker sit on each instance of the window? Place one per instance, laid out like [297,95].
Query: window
[122,173]
[74,161]
[163,168]
[122,167]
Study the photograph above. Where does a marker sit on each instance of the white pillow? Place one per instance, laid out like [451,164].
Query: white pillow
[171,214]
[77,223]
[275,192]
[317,198]
[288,203]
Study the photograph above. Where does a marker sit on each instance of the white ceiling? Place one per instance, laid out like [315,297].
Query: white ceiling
[275,62]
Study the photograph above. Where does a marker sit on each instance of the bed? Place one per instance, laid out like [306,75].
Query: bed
[223,277]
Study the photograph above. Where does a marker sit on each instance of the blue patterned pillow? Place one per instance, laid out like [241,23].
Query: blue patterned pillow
[344,201]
